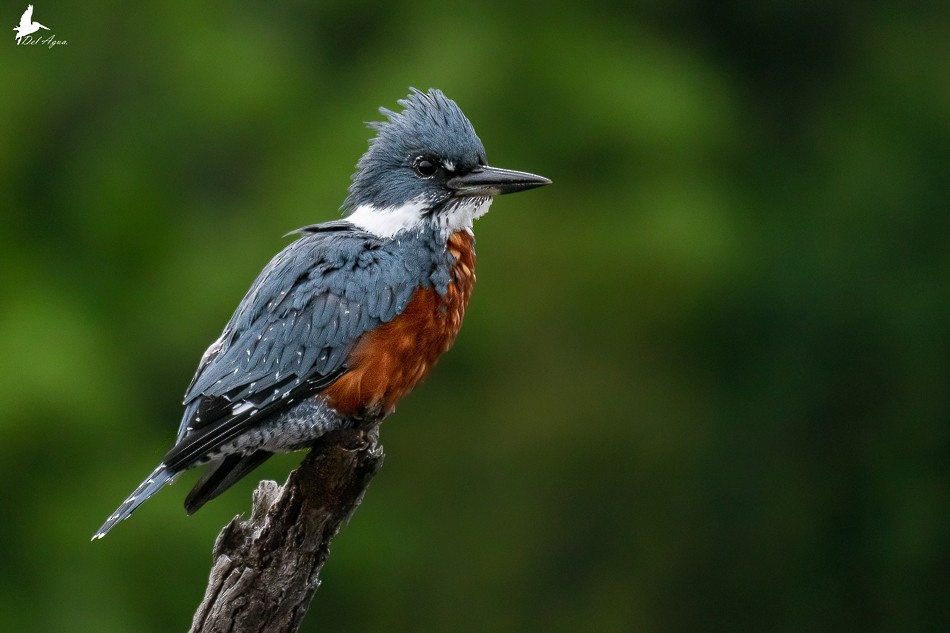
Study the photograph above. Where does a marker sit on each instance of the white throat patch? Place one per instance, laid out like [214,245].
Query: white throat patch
[458,215]
[462,213]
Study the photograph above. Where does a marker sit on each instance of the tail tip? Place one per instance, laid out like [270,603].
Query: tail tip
[140,495]
[108,525]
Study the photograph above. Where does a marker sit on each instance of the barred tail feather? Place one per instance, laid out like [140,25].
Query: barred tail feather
[159,477]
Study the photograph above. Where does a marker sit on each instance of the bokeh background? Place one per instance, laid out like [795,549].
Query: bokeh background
[703,382]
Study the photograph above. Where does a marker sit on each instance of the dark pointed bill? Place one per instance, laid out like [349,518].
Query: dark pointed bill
[494,181]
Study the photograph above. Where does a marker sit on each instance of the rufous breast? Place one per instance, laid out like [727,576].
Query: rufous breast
[388,362]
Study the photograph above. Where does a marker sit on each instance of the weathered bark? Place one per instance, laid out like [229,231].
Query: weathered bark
[266,569]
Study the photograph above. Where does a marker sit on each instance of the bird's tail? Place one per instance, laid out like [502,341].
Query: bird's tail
[159,477]
[220,476]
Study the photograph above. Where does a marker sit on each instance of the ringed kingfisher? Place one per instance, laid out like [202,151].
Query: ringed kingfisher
[349,317]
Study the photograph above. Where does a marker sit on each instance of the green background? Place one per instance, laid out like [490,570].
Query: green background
[703,381]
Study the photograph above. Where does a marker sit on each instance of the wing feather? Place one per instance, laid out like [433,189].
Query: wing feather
[291,334]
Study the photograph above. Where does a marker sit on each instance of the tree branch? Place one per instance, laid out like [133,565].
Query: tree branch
[266,569]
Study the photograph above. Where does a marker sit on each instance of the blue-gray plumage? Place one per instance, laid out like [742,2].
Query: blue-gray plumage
[431,125]
[351,315]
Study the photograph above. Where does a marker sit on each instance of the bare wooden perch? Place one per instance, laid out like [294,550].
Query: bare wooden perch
[266,569]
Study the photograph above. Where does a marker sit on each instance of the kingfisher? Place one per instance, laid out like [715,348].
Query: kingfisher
[352,315]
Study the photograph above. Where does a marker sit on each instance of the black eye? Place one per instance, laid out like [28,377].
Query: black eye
[425,167]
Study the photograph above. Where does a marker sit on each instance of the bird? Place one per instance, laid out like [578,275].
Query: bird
[349,317]
[27,25]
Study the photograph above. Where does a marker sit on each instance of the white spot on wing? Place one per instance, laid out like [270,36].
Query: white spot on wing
[238,409]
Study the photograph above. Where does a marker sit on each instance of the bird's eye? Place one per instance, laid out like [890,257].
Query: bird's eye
[425,167]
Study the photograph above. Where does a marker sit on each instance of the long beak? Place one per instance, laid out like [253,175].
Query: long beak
[493,181]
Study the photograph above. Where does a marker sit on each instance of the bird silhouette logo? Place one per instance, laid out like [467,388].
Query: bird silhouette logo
[27,25]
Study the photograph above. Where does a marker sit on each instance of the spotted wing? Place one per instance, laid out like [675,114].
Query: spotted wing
[290,336]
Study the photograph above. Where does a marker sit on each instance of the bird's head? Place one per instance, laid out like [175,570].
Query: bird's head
[426,167]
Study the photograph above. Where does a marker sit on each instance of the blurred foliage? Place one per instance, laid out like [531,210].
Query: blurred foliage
[703,382]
